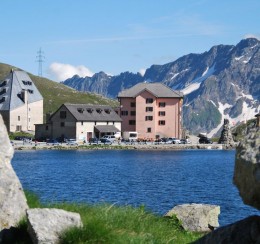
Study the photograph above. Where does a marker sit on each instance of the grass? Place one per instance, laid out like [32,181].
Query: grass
[55,94]
[106,223]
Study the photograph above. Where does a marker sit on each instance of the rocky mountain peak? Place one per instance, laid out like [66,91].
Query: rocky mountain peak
[221,83]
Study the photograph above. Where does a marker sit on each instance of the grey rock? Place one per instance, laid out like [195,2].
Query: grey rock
[247,168]
[196,217]
[226,135]
[244,231]
[13,203]
[46,225]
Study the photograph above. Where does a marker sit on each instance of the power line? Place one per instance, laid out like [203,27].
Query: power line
[40,59]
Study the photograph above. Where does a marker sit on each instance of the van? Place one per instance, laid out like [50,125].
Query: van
[130,135]
[111,138]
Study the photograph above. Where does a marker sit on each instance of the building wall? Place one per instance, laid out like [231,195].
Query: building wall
[126,106]
[172,117]
[63,127]
[85,130]
[26,116]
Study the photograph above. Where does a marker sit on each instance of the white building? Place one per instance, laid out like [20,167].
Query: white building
[21,104]
[80,122]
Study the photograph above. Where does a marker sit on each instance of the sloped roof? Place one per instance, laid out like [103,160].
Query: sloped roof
[14,84]
[157,89]
[106,128]
[85,112]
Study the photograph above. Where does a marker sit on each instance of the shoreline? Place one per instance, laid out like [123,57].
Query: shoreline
[121,146]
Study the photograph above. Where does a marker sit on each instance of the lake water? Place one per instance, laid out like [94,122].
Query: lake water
[157,179]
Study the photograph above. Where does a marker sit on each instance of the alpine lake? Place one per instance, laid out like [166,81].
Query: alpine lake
[159,180]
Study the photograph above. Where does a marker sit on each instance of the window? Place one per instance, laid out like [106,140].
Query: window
[148,118]
[162,104]
[3,91]
[29,119]
[30,91]
[62,124]
[82,122]
[3,83]
[161,122]
[80,110]
[149,100]
[161,113]
[133,113]
[132,104]
[63,114]
[131,122]
[18,128]
[90,110]
[124,113]
[149,109]
[19,118]
[108,111]
[149,130]
[46,127]
[99,110]
[2,99]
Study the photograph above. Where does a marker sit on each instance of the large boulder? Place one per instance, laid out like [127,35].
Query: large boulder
[46,225]
[196,217]
[247,168]
[243,231]
[12,199]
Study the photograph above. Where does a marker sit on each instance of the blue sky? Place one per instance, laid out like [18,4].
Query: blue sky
[86,36]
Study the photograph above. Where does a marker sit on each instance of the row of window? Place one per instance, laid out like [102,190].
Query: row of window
[160,122]
[148,109]
[148,101]
[62,124]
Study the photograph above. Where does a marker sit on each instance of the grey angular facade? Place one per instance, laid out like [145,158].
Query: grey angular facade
[21,104]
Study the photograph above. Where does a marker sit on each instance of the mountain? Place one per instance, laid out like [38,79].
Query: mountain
[223,82]
[54,94]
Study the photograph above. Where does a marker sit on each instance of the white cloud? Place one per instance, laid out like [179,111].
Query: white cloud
[62,72]
[142,71]
[252,36]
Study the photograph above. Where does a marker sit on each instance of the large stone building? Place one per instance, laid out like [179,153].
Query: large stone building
[80,122]
[21,104]
[151,109]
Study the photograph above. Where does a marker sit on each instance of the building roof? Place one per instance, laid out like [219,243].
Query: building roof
[106,128]
[11,89]
[86,112]
[157,89]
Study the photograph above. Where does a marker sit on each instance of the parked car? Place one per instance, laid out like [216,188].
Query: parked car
[106,140]
[72,142]
[185,141]
[172,140]
[93,140]
[52,142]
[111,138]
[205,140]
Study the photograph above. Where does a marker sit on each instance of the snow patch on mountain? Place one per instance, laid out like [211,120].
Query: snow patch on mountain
[248,112]
[195,84]
[238,58]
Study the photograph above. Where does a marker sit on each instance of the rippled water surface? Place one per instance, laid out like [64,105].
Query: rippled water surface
[157,179]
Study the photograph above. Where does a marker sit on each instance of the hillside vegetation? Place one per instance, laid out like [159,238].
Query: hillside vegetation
[55,94]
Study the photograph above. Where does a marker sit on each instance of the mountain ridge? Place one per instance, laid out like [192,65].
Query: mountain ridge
[223,82]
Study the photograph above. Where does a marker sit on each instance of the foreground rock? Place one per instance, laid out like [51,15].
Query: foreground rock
[12,199]
[243,231]
[247,168]
[197,217]
[45,225]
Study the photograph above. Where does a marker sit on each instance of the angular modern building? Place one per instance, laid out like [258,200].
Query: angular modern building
[21,104]
[151,109]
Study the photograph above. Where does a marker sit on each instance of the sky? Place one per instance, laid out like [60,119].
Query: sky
[85,37]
